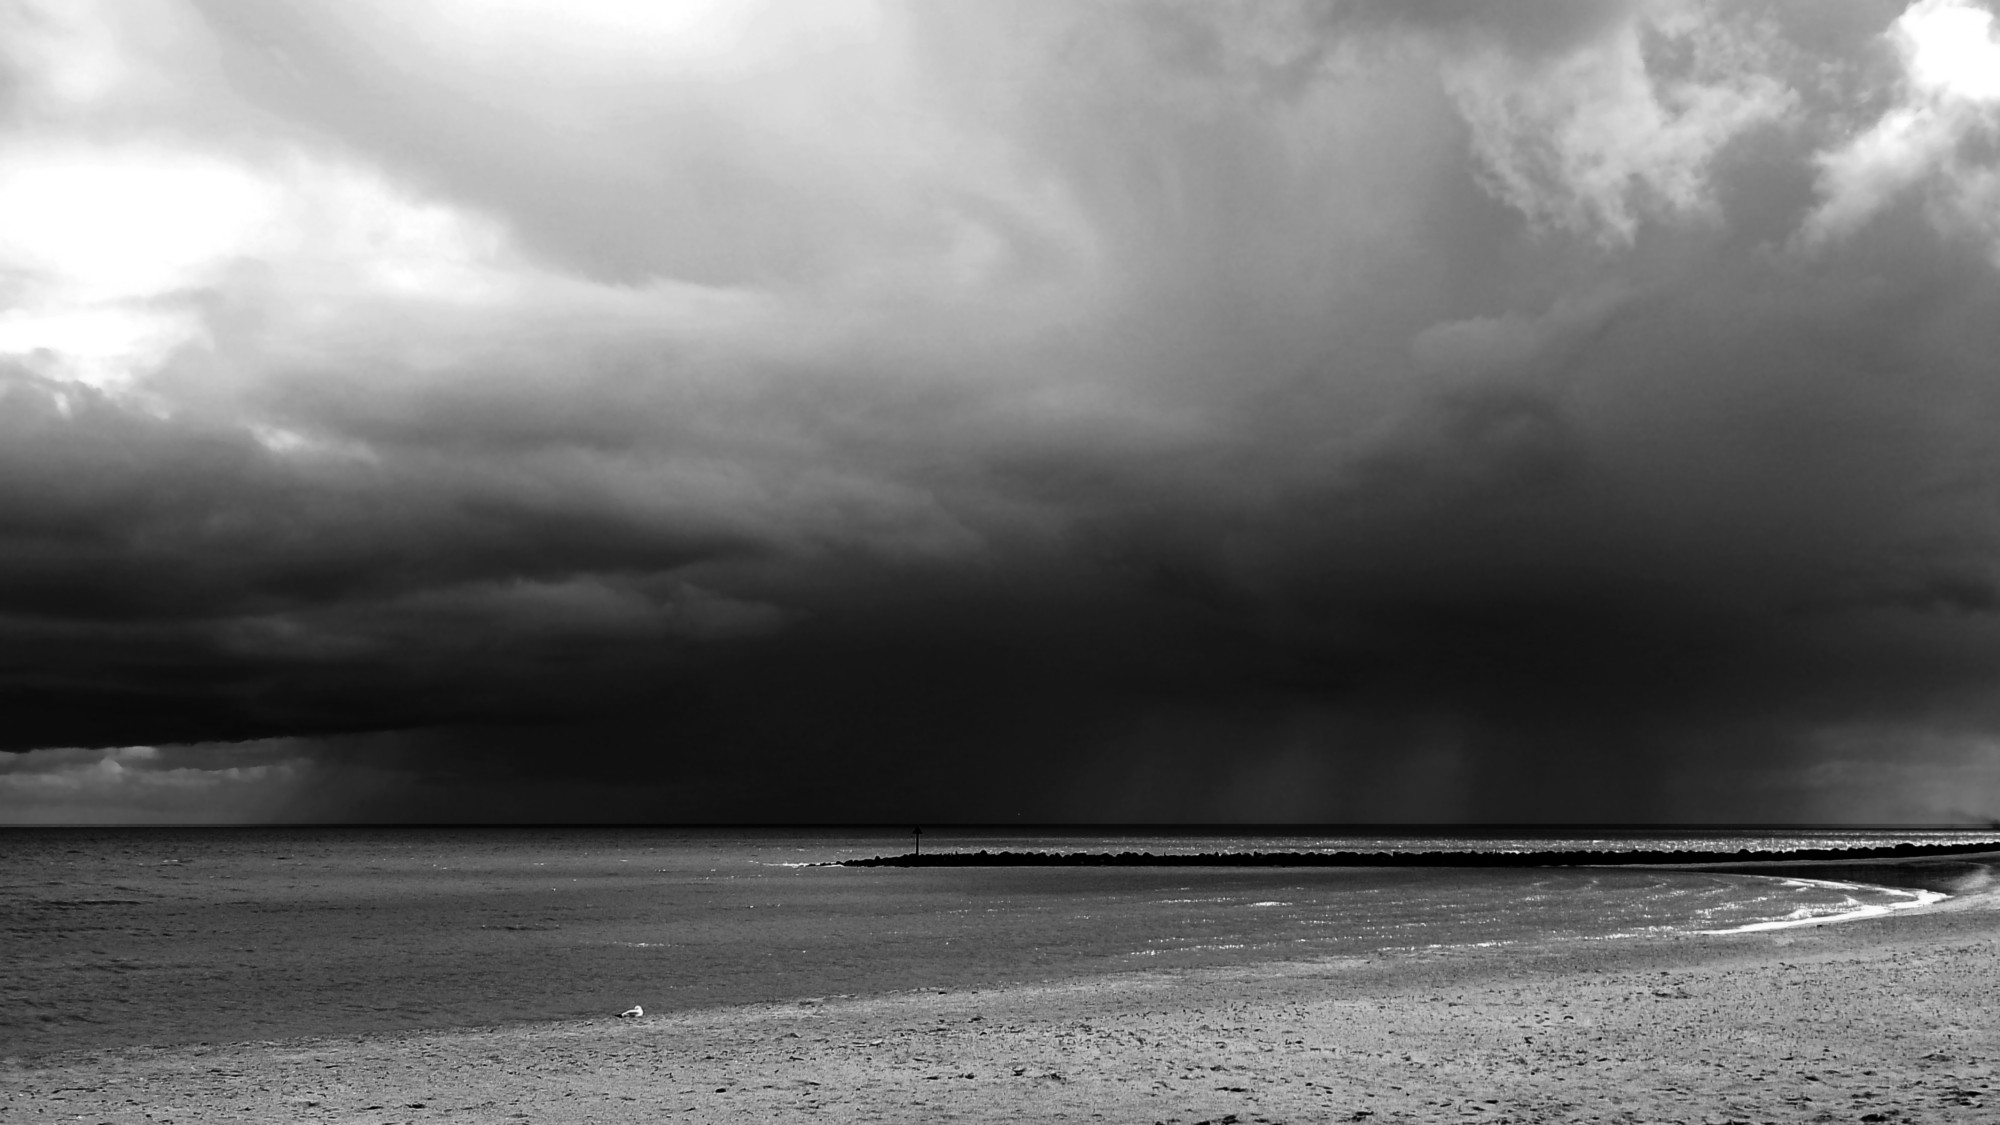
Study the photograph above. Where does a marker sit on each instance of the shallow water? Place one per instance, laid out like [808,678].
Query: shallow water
[156,936]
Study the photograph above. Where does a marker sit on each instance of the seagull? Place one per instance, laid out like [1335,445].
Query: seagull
[632,1012]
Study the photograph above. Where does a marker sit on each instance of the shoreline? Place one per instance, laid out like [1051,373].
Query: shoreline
[1886,1016]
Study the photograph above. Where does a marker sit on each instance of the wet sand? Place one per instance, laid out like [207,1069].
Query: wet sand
[1888,1019]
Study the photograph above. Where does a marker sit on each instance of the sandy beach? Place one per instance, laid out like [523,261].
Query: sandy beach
[1887,1019]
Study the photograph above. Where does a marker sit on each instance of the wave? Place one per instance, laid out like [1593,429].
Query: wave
[1854,908]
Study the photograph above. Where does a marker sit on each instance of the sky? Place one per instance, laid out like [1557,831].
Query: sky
[1364,411]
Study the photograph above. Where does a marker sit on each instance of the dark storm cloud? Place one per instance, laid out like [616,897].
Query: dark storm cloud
[1559,411]
[166,579]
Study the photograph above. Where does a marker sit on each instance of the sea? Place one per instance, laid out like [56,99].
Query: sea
[173,936]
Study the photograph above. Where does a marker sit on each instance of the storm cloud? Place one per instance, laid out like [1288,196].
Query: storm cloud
[873,411]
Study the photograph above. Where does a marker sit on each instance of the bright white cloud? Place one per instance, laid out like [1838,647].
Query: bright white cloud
[1951,92]
[1949,50]
[98,244]
[1592,140]
[122,222]
[108,251]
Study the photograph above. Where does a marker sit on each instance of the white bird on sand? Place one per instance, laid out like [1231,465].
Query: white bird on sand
[632,1012]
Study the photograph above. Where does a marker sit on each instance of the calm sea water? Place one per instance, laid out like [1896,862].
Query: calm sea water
[159,936]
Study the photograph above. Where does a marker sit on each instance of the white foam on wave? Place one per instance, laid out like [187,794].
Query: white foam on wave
[1853,908]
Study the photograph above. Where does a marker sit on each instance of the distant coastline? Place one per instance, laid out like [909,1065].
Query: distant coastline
[1761,861]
